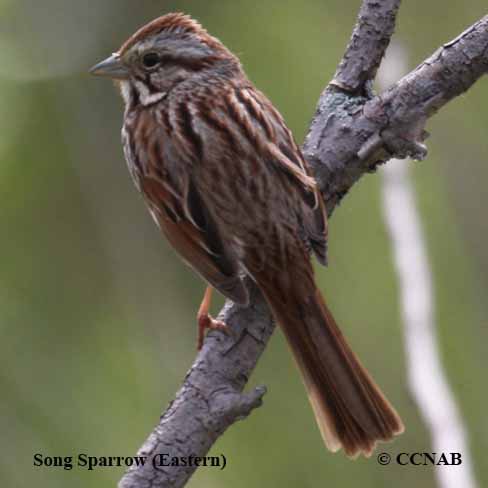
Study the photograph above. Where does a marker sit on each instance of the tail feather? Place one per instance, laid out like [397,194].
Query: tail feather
[350,409]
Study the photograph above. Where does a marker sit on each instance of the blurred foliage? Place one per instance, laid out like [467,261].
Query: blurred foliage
[97,315]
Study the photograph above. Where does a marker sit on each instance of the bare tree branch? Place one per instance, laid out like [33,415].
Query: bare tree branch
[352,132]
[369,40]
[428,380]
[351,135]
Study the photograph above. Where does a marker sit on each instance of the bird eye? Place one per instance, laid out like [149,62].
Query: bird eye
[150,60]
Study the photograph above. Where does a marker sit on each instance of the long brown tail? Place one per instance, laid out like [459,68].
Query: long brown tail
[350,409]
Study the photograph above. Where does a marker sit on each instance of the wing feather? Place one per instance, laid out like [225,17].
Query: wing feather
[190,228]
[286,156]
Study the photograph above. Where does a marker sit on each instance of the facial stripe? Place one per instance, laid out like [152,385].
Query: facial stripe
[145,95]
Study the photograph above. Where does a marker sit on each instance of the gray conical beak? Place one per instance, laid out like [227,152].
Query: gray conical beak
[111,67]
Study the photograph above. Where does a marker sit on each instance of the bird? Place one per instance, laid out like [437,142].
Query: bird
[227,184]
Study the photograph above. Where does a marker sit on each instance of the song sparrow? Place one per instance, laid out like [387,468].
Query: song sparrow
[228,186]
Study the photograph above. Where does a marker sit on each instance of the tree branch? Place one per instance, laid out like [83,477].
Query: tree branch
[427,377]
[352,132]
[369,40]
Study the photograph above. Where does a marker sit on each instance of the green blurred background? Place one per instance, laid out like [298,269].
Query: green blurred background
[97,323]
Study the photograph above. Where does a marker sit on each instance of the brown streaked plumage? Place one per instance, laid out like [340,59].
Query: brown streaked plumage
[228,186]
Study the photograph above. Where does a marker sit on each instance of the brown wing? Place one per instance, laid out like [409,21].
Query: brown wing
[191,230]
[286,156]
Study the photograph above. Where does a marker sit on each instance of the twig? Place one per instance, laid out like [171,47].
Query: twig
[211,398]
[426,375]
[369,40]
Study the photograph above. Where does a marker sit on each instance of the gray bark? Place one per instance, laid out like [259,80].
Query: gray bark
[352,132]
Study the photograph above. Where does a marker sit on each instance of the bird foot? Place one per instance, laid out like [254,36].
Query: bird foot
[206,321]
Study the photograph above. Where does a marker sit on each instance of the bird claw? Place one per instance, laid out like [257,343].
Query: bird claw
[206,321]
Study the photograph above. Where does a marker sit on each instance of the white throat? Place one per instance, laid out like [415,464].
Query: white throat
[145,96]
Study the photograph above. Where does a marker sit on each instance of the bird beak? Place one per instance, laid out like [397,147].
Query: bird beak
[111,67]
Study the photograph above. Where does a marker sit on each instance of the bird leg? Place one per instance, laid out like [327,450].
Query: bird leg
[205,321]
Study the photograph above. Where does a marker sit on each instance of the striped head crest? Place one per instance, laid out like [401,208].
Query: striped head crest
[178,23]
